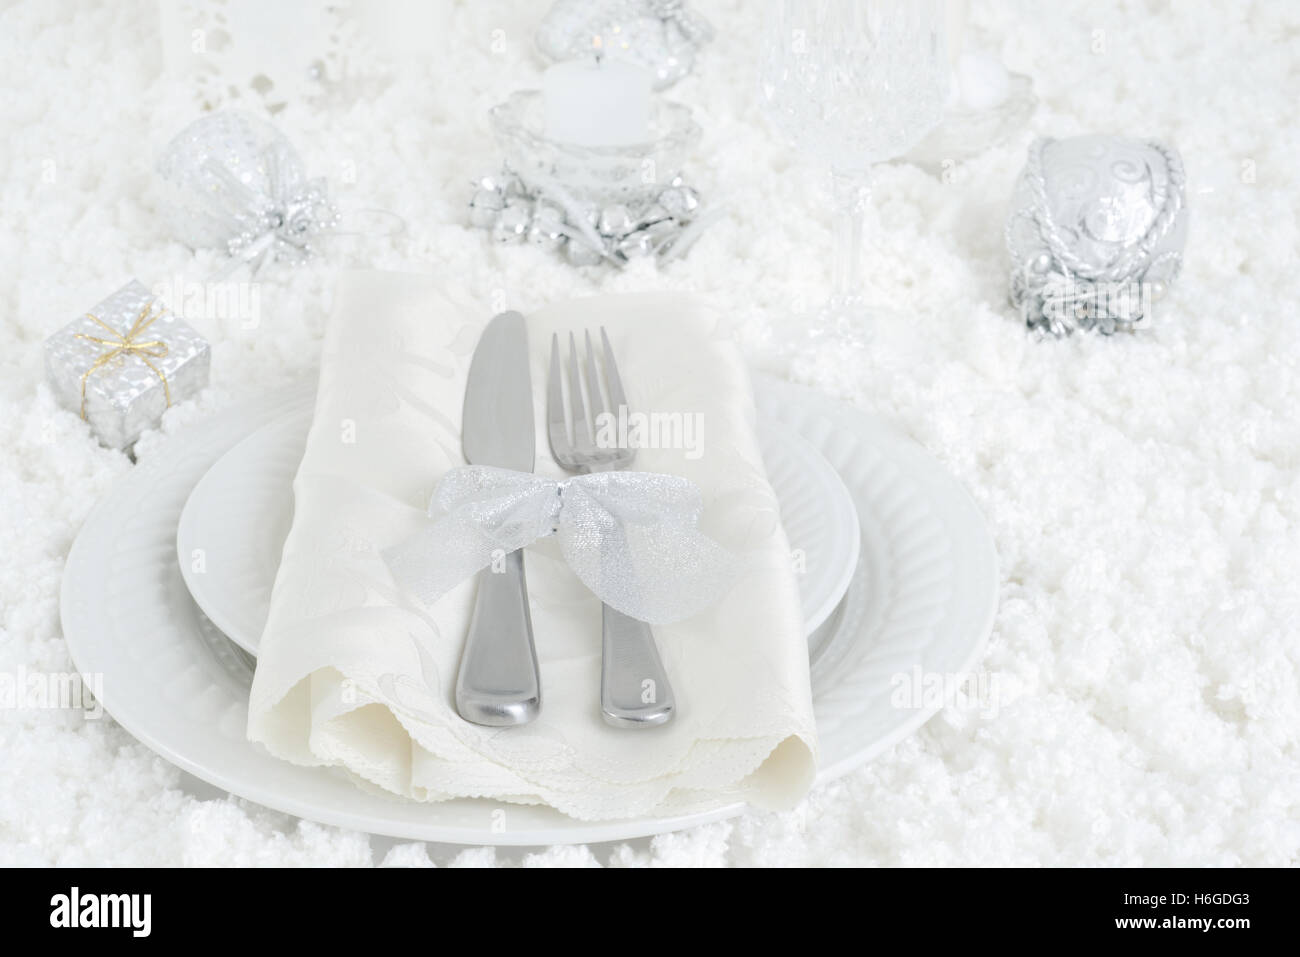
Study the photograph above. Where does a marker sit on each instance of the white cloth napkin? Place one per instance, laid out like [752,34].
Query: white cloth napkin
[354,672]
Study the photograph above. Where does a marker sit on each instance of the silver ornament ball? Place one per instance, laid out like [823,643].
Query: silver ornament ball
[1090,215]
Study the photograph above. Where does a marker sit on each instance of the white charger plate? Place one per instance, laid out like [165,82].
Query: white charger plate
[923,596]
[232,530]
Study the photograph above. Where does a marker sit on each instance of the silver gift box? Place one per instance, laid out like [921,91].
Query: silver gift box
[121,373]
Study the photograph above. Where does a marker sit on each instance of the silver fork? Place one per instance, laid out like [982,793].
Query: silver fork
[634,687]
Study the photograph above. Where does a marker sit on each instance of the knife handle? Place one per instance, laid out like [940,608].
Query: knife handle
[499,684]
[634,688]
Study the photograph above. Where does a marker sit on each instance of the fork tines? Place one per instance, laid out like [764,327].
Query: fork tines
[572,433]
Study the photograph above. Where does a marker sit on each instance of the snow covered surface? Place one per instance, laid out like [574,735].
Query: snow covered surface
[1144,491]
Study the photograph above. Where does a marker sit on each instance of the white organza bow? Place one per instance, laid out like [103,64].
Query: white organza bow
[631,537]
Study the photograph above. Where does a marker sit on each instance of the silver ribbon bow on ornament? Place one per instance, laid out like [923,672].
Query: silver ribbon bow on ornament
[1058,303]
[630,537]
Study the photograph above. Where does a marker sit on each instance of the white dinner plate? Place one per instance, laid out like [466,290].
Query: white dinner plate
[921,602]
[232,530]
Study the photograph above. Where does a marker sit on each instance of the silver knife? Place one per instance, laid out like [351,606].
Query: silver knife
[499,683]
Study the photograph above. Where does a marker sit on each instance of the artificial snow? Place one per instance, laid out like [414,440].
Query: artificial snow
[1144,491]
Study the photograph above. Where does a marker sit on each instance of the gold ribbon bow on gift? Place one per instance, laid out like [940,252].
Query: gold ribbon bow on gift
[127,344]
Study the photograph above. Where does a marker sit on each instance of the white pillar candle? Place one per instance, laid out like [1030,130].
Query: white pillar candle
[597,102]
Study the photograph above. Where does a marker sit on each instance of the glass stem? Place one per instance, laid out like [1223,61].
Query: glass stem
[852,194]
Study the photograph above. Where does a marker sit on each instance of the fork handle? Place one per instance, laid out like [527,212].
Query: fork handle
[634,687]
[498,684]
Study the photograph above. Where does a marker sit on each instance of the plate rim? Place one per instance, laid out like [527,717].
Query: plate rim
[983,548]
[576,832]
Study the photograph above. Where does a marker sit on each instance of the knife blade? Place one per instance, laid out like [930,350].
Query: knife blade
[499,683]
[497,422]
